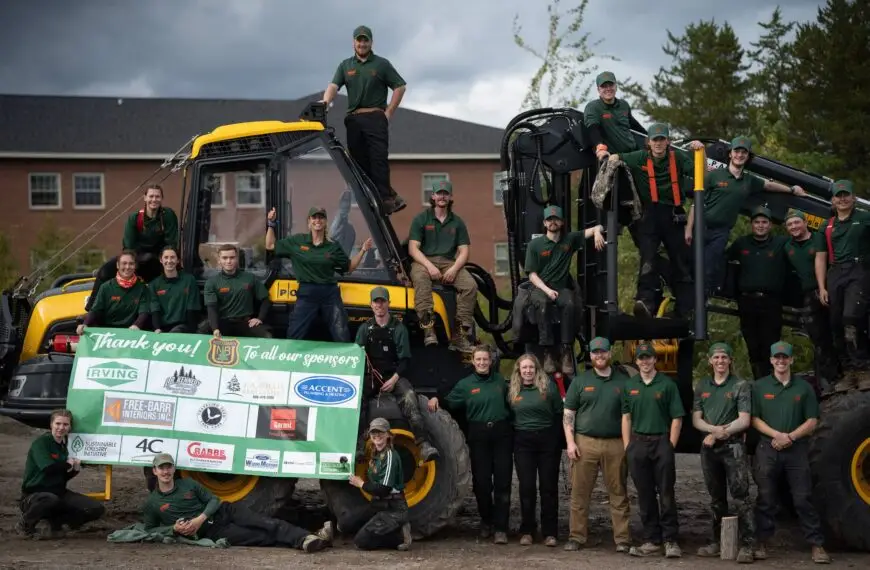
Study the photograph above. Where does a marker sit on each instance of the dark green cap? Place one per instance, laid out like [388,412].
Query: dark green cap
[843,186]
[599,343]
[742,142]
[364,31]
[553,212]
[443,186]
[657,130]
[720,347]
[317,210]
[644,349]
[780,347]
[761,211]
[605,77]
[793,213]
[380,293]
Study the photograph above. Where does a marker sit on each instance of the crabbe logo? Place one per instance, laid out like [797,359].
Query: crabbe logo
[327,390]
[198,450]
[112,374]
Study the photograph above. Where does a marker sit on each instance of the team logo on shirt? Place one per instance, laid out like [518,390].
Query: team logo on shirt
[634,392]
[729,395]
[589,389]
[769,396]
[475,390]
[658,395]
[606,116]
[705,395]
[223,352]
[164,507]
[797,398]
[224,290]
[163,291]
[546,253]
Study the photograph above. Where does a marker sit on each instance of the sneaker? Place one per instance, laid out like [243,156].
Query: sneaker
[744,555]
[428,451]
[526,540]
[641,310]
[646,549]
[551,541]
[429,337]
[623,548]
[326,533]
[820,556]
[406,538]
[567,360]
[673,550]
[573,545]
[709,550]
[500,538]
[760,552]
[313,543]
[485,531]
[549,363]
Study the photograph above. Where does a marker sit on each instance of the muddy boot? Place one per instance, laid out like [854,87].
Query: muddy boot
[567,360]
[24,529]
[646,549]
[820,556]
[641,310]
[313,543]
[549,363]
[406,538]
[846,382]
[429,337]
[461,341]
[760,552]
[673,550]
[485,531]
[500,538]
[326,534]
[709,550]
[428,451]
[526,540]
[744,555]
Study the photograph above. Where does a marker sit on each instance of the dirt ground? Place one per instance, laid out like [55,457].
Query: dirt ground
[455,547]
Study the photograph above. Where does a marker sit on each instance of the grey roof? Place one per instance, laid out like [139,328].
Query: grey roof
[132,126]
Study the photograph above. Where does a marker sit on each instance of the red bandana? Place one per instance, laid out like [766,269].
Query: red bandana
[126,283]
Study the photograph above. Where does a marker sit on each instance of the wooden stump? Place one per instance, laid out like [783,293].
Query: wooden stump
[729,540]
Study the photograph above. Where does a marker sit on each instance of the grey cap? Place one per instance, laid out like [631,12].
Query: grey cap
[163,459]
[379,424]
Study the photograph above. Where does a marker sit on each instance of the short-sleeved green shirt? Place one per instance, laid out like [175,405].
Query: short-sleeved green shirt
[186,500]
[174,298]
[234,295]
[802,256]
[120,307]
[850,237]
[367,81]
[614,121]
[385,468]
[637,162]
[44,452]
[652,406]
[720,404]
[439,239]
[313,263]
[725,194]
[763,263]
[484,399]
[551,260]
[157,232]
[783,407]
[535,411]
[598,403]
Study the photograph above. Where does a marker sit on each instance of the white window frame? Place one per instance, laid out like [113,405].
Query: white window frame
[497,187]
[56,175]
[102,204]
[427,187]
[223,192]
[496,247]
[262,203]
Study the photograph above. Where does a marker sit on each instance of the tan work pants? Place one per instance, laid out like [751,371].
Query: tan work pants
[610,455]
[466,290]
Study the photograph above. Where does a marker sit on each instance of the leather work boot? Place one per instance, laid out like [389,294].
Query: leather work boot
[744,555]
[327,533]
[406,538]
[709,550]
[429,337]
[549,363]
[760,552]
[646,549]
[461,341]
[820,556]
[567,363]
[641,310]
[846,382]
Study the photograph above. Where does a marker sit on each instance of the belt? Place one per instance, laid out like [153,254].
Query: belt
[488,425]
[647,437]
[757,294]
[366,110]
[850,260]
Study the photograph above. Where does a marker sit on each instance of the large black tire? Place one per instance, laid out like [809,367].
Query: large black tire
[844,428]
[452,479]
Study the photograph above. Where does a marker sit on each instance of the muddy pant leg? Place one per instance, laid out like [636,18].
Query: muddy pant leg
[583,475]
[641,466]
[836,303]
[76,509]
[407,400]
[855,314]
[737,473]
[335,315]
[714,258]
[648,241]
[767,471]
[816,322]
[796,463]
[549,456]
[384,529]
[526,450]
[251,529]
[503,450]
[482,457]
[422,289]
[666,478]
[565,306]
[615,473]
[543,305]
[39,506]
[715,478]
[466,298]
[352,520]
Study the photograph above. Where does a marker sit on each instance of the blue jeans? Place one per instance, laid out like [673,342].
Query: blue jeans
[715,241]
[313,299]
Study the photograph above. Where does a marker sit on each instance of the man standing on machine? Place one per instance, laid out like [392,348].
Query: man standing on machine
[763,268]
[230,298]
[843,276]
[367,77]
[438,243]
[548,262]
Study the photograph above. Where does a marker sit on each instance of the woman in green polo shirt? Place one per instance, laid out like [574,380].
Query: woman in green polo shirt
[483,397]
[123,302]
[316,261]
[176,306]
[537,417]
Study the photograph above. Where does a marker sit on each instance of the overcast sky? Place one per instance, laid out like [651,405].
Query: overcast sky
[457,56]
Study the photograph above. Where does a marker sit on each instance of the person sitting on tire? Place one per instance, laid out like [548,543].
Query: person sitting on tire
[388,352]
[536,407]
[548,265]
[483,397]
[175,302]
[44,495]
[383,523]
[194,512]
[230,297]
[123,302]
[146,233]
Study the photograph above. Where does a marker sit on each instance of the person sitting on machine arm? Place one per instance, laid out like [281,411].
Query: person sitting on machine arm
[388,352]
[548,261]
[123,302]
[175,302]
[230,297]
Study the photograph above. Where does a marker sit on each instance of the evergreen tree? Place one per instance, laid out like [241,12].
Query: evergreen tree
[772,74]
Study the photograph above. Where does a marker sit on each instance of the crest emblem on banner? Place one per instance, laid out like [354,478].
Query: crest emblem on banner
[222,352]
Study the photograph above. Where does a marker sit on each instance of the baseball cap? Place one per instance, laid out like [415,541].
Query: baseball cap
[364,31]
[162,459]
[379,424]
[605,77]
[843,186]
[552,212]
[780,347]
[793,213]
[720,347]
[380,293]
[657,130]
[443,186]
[741,142]
[316,210]
[599,343]
[644,349]
[761,211]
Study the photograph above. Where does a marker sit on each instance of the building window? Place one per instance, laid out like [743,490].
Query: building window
[429,180]
[218,190]
[250,190]
[88,191]
[498,179]
[502,260]
[44,193]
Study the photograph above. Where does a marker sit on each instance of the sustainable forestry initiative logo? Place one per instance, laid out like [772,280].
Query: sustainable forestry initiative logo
[112,374]
[77,445]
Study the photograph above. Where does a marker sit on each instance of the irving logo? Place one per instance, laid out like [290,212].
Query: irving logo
[223,352]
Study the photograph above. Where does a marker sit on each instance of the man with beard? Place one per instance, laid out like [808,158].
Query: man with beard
[367,77]
[175,302]
[123,302]
[230,298]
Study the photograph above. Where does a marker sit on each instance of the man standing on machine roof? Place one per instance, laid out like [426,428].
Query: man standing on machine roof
[367,77]
[659,174]
[438,243]
[548,262]
[843,275]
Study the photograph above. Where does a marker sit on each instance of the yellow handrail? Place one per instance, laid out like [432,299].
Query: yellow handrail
[106,495]
[76,282]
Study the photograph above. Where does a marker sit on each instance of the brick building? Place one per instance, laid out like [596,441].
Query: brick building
[73,163]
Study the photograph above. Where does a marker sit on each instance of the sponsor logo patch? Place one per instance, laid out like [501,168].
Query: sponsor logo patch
[112,374]
[327,390]
[125,410]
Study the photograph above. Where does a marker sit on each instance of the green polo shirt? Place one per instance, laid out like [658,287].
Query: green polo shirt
[763,264]
[535,411]
[119,307]
[313,263]
[652,406]
[483,399]
[439,239]
[783,407]
[45,452]
[385,468]
[720,404]
[850,237]
[614,121]
[551,260]
[157,232]
[187,500]
[367,81]
[637,162]
[725,194]
[802,256]
[234,295]
[173,298]
[598,403]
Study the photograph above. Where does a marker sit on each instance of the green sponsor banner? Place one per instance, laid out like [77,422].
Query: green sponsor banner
[249,406]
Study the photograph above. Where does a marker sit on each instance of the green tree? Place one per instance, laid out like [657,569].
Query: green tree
[49,241]
[773,64]
[704,91]
[8,268]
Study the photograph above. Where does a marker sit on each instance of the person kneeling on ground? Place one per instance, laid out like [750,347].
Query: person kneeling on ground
[382,523]
[175,302]
[388,351]
[194,512]
[123,302]
[44,495]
